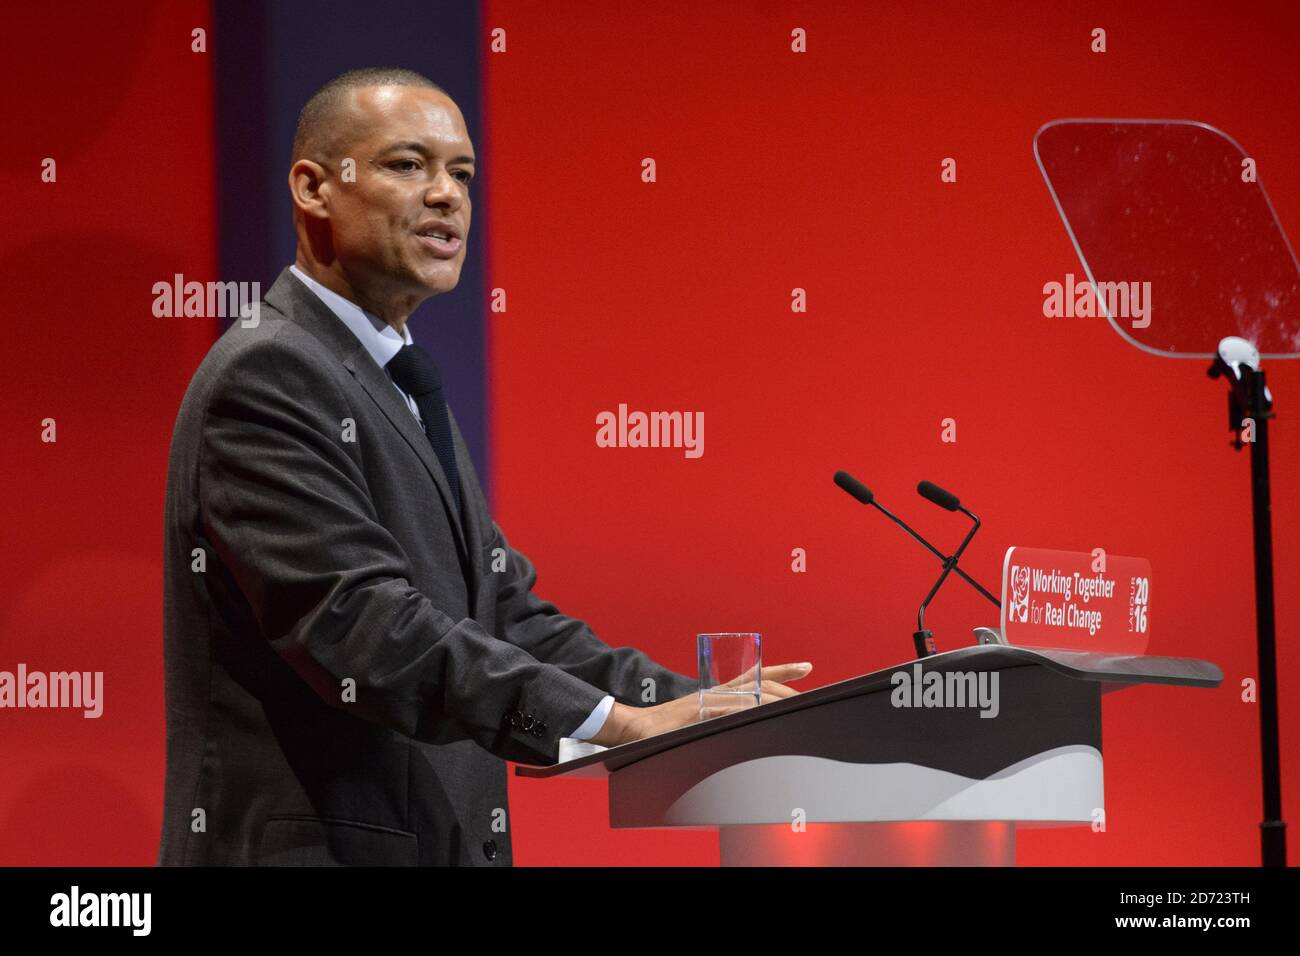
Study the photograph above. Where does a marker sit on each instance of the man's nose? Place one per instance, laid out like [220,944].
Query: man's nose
[442,190]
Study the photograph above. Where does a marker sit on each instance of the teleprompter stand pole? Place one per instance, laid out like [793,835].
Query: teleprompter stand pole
[1250,406]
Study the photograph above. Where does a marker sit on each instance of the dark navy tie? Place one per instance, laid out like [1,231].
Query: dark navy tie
[414,372]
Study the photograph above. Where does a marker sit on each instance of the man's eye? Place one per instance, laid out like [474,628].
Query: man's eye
[410,165]
[468,176]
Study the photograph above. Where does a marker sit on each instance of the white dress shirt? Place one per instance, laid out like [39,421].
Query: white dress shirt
[383,341]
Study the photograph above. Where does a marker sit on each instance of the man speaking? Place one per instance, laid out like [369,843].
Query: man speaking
[353,648]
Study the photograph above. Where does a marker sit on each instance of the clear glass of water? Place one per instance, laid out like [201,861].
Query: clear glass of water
[731,668]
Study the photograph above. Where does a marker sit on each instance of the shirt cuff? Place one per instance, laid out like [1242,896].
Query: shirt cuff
[591,726]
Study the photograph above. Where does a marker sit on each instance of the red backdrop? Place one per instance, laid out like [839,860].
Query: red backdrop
[775,171]
[821,171]
[124,107]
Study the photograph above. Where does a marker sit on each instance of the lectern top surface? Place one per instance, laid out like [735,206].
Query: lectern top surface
[1112,671]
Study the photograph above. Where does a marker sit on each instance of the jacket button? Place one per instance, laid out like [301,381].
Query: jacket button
[528,722]
[490,849]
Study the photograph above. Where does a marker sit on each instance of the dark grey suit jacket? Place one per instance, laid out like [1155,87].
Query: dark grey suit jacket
[345,673]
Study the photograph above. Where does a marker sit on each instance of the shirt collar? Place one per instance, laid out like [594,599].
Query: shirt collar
[380,339]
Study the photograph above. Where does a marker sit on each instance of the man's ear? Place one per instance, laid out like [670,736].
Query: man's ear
[306,182]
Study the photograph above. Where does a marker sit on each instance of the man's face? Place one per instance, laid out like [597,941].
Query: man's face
[414,162]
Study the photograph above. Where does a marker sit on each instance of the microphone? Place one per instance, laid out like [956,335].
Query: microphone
[944,499]
[856,488]
[862,493]
[948,502]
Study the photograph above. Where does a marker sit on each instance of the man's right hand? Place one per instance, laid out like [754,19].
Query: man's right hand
[626,724]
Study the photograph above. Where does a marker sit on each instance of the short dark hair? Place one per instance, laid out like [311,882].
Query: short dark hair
[315,123]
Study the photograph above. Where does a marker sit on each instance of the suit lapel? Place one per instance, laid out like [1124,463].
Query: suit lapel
[302,306]
[472,495]
[381,391]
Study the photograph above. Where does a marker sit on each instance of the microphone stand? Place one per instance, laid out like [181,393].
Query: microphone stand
[939,554]
[923,639]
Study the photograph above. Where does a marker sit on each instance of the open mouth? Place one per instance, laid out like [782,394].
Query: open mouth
[441,242]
